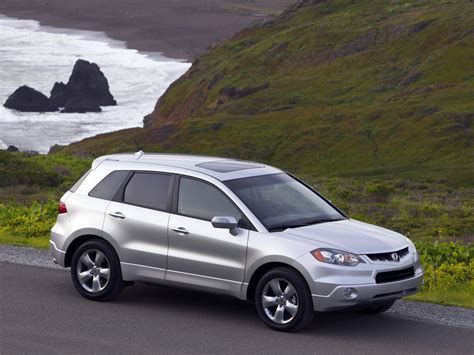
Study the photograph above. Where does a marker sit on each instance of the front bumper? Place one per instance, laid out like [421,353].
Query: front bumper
[366,294]
[329,282]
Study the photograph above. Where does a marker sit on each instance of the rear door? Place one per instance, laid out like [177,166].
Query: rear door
[200,254]
[138,221]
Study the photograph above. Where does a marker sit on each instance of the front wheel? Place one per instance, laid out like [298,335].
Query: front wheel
[95,271]
[283,300]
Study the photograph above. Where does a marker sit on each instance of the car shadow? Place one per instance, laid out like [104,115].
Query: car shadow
[201,304]
[207,315]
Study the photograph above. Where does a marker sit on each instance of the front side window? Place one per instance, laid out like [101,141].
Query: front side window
[201,200]
[280,201]
[150,190]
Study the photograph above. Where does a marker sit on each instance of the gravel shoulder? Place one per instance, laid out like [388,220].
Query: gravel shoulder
[421,311]
[26,256]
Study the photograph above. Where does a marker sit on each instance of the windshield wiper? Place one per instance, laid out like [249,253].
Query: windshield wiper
[282,227]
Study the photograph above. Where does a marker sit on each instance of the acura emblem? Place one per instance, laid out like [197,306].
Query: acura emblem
[395,257]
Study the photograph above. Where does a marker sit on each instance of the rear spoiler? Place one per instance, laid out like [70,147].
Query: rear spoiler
[116,157]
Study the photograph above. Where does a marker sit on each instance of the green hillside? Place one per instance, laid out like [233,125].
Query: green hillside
[331,88]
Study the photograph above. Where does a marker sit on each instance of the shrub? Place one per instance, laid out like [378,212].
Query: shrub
[451,253]
[380,190]
[32,221]
[447,265]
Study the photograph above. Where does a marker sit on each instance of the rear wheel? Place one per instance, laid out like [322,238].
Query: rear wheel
[283,300]
[379,308]
[95,271]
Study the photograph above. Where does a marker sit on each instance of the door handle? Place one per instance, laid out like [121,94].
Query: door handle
[118,215]
[180,230]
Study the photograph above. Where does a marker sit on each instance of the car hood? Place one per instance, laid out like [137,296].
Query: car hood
[351,236]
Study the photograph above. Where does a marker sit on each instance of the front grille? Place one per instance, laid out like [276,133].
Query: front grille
[389,256]
[391,276]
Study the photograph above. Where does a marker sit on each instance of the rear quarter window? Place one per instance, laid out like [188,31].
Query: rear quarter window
[108,187]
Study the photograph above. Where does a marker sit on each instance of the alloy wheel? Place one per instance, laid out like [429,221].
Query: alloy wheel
[280,301]
[93,270]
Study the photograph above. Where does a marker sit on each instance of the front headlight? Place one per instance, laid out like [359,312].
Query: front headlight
[412,249]
[336,257]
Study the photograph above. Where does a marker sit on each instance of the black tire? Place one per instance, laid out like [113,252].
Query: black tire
[304,314]
[111,287]
[379,308]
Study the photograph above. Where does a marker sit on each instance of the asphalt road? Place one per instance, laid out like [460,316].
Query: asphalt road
[40,312]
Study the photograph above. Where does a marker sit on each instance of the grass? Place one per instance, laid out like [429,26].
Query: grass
[25,178]
[423,210]
[30,186]
[34,242]
[355,89]
[460,296]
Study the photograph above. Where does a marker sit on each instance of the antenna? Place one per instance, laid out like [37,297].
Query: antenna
[138,145]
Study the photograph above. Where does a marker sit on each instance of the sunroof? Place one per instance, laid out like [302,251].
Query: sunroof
[227,166]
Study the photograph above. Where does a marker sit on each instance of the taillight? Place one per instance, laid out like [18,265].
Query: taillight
[62,208]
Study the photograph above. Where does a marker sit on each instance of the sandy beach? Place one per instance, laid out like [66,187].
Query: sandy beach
[177,28]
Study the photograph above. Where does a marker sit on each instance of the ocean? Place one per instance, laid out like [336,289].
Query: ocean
[38,56]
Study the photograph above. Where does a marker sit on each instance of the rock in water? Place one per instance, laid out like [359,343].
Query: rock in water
[88,80]
[86,90]
[81,104]
[59,94]
[27,99]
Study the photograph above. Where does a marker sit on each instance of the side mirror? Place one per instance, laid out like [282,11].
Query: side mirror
[226,222]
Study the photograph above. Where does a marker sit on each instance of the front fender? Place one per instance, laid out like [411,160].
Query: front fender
[280,259]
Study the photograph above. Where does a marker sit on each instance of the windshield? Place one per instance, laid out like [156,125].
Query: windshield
[280,201]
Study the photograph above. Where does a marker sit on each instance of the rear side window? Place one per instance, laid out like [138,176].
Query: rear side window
[200,200]
[149,190]
[108,187]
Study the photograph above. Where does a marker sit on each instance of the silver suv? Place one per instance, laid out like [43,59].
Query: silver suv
[238,228]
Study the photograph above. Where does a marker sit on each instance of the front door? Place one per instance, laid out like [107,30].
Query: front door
[199,254]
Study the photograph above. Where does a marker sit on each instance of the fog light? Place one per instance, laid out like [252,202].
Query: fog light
[350,293]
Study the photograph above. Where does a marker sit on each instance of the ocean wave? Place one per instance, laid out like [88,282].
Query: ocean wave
[38,56]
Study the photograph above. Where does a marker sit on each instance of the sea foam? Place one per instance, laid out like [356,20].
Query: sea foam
[38,56]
